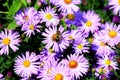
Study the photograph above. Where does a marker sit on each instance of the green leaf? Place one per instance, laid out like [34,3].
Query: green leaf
[24,2]
[16,4]
[12,25]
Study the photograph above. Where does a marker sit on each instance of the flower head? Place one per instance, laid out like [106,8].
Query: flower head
[68,6]
[78,65]
[9,38]
[55,38]
[49,16]
[26,65]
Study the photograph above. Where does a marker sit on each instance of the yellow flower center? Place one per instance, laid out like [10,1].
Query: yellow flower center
[42,63]
[119,2]
[68,1]
[31,27]
[6,41]
[26,63]
[102,44]
[49,70]
[58,77]
[56,37]
[73,64]
[80,46]
[49,16]
[51,50]
[70,37]
[71,16]
[88,23]
[112,34]
[107,62]
[25,18]
[100,70]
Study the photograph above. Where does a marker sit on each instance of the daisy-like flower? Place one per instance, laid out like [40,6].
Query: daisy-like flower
[107,60]
[115,5]
[46,67]
[68,6]
[26,65]
[28,14]
[9,38]
[92,22]
[111,34]
[81,46]
[49,16]
[78,65]
[60,72]
[55,39]
[74,34]
[75,19]
[99,72]
[100,47]
[30,27]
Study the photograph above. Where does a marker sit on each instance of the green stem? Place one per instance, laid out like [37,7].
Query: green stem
[4,12]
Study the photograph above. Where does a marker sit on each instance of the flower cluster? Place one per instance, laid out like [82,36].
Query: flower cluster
[69,37]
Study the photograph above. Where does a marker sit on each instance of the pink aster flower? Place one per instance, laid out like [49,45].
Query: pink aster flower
[26,65]
[78,65]
[92,22]
[49,16]
[55,39]
[68,6]
[111,34]
[9,38]
[115,6]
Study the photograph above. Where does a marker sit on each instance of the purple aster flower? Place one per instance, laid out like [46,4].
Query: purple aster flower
[9,38]
[49,16]
[27,64]
[115,6]
[92,22]
[111,34]
[107,60]
[55,39]
[28,14]
[30,27]
[68,6]
[78,65]
[81,46]
[75,19]
[60,72]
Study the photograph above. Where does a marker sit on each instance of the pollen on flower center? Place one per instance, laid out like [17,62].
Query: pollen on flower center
[119,2]
[49,70]
[51,50]
[49,16]
[102,44]
[26,63]
[107,62]
[88,23]
[6,41]
[112,34]
[56,37]
[58,77]
[67,1]
[73,64]
[31,27]
[80,46]
[25,18]
[100,70]
[71,16]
